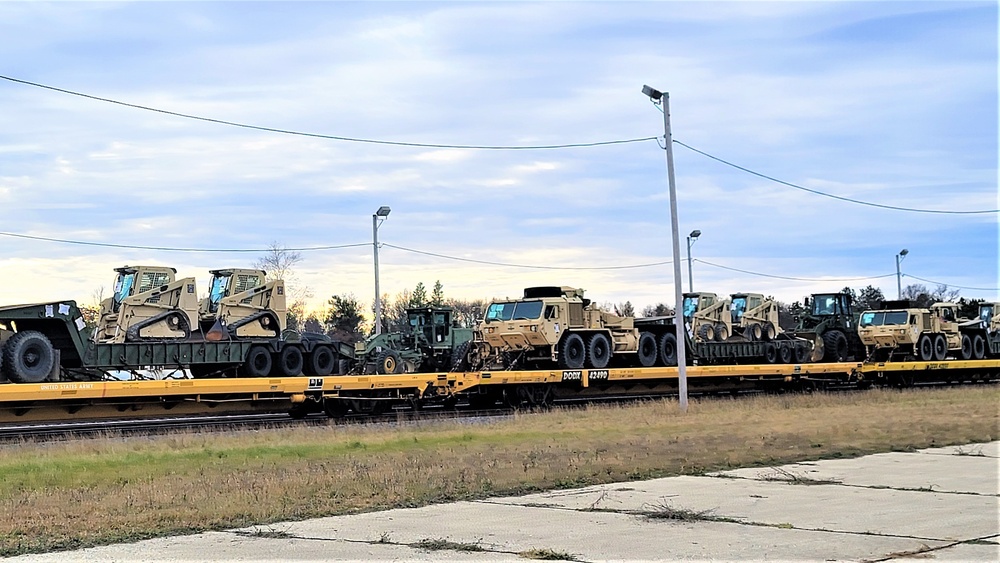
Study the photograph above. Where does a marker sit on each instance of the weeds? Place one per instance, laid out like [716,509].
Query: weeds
[445,545]
[785,476]
[976,451]
[548,555]
[664,511]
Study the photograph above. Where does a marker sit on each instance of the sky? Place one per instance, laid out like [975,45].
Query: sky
[890,103]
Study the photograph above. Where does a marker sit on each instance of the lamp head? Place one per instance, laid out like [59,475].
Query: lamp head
[695,233]
[653,93]
[383,211]
[904,252]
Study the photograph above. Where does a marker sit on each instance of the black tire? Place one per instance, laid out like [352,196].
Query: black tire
[978,347]
[459,359]
[388,362]
[801,354]
[785,354]
[668,349]
[940,347]
[834,346]
[258,362]
[343,366]
[289,361]
[298,411]
[598,351]
[721,332]
[925,348]
[572,352]
[966,353]
[646,352]
[753,332]
[768,332]
[321,361]
[335,408]
[770,353]
[706,332]
[28,357]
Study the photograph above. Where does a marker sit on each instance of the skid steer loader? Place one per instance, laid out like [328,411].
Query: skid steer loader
[243,304]
[148,304]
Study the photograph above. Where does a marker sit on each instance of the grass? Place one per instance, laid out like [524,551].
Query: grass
[113,489]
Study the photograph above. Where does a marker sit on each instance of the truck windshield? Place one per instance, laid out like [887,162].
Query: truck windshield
[514,311]
[824,305]
[881,318]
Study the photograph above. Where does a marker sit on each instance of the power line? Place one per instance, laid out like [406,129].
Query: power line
[333,137]
[950,285]
[176,249]
[533,267]
[841,198]
[789,277]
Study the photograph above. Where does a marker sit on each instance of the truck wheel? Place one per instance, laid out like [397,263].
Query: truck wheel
[721,332]
[258,363]
[925,348]
[978,347]
[785,354]
[388,362]
[321,361]
[940,347]
[647,350]
[598,351]
[768,332]
[289,361]
[770,353]
[801,354]
[966,347]
[459,361]
[753,332]
[668,349]
[28,357]
[706,333]
[835,346]
[572,352]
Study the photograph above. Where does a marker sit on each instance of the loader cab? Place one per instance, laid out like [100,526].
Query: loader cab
[229,282]
[831,304]
[431,323]
[133,280]
[695,302]
[743,302]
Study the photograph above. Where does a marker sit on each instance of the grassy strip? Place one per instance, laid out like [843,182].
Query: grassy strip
[88,492]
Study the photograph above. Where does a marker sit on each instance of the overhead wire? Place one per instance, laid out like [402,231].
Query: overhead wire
[332,137]
[534,267]
[763,275]
[949,284]
[178,249]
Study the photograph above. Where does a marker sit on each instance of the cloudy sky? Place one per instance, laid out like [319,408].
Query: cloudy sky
[891,103]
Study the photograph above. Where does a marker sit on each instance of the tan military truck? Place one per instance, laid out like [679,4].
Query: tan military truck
[899,331]
[558,326]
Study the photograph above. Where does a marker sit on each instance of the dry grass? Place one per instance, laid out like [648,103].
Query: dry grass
[66,495]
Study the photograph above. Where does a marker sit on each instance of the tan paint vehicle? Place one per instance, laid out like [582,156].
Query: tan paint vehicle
[245,303]
[148,303]
[931,334]
[557,325]
[750,316]
[989,314]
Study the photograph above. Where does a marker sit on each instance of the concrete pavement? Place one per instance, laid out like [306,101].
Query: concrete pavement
[940,503]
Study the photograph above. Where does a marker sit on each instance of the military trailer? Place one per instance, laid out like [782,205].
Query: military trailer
[152,321]
[900,331]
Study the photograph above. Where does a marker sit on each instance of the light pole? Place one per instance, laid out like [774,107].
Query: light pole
[691,240]
[382,212]
[664,98]
[899,277]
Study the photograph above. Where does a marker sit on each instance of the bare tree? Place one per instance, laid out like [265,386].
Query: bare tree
[279,263]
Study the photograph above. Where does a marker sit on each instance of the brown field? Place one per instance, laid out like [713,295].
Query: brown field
[113,489]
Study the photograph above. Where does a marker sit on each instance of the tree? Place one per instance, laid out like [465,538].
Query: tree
[91,312]
[969,308]
[658,310]
[918,294]
[437,295]
[419,296]
[625,309]
[869,297]
[343,318]
[312,324]
[467,312]
[279,263]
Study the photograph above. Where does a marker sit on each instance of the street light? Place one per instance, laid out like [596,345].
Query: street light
[691,240]
[663,98]
[899,277]
[382,212]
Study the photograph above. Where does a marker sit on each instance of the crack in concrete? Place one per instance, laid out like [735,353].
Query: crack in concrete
[834,482]
[928,549]
[479,547]
[735,520]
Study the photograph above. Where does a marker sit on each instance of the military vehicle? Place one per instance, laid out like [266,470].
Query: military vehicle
[900,331]
[432,341]
[831,324]
[749,316]
[245,303]
[152,321]
[989,314]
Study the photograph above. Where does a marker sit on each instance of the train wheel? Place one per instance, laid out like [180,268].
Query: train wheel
[28,357]
[925,348]
[966,347]
[978,347]
[321,361]
[335,408]
[940,347]
[721,332]
[835,346]
[668,349]
[388,362]
[258,362]
[598,351]
[289,361]
[785,354]
[647,350]
[770,353]
[572,352]
[706,332]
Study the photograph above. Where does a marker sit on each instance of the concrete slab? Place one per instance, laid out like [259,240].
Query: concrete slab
[989,449]
[968,552]
[938,472]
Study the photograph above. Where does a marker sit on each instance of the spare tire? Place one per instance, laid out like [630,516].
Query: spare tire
[28,357]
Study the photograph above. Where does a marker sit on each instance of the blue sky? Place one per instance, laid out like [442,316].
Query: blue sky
[893,103]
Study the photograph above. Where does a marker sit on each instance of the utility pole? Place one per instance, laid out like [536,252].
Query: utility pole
[382,212]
